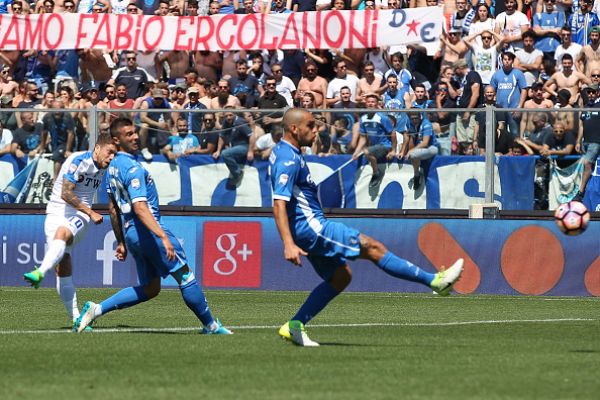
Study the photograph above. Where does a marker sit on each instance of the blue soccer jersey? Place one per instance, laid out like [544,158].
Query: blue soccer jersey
[377,127]
[291,181]
[328,243]
[129,182]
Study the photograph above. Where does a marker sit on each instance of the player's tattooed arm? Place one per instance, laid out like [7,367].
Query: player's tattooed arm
[115,220]
[69,196]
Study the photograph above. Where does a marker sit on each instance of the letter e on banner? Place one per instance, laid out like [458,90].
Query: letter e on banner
[232,255]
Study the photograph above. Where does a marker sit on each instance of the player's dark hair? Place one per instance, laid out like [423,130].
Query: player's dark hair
[117,124]
[104,139]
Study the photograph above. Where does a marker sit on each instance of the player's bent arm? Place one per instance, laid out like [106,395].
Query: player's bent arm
[71,199]
[291,251]
[141,210]
[115,221]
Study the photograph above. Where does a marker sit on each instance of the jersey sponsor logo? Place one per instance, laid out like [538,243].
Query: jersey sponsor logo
[135,183]
[288,163]
[283,179]
[232,254]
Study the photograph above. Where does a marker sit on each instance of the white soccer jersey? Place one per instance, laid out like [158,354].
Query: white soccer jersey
[80,169]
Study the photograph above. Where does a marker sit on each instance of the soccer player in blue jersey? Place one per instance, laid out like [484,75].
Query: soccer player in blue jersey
[157,252]
[328,245]
[68,215]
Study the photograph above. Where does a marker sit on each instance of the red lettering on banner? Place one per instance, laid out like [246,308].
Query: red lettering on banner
[181,33]
[290,25]
[80,29]
[263,29]
[315,41]
[32,32]
[361,36]
[123,37]
[102,38]
[231,254]
[341,23]
[204,39]
[374,25]
[222,21]
[147,27]
[12,36]
[246,19]
[50,27]
[138,28]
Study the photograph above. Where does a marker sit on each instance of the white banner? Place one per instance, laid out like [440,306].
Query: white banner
[326,30]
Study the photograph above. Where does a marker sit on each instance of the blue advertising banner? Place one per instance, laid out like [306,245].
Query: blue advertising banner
[451,183]
[502,256]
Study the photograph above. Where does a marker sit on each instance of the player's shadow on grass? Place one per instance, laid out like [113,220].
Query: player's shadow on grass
[584,351]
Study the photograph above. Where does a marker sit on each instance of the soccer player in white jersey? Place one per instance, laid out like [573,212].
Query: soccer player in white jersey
[328,245]
[68,214]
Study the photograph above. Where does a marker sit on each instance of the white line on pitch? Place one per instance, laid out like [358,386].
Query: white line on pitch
[366,325]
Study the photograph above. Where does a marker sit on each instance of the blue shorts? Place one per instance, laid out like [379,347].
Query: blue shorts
[331,247]
[150,255]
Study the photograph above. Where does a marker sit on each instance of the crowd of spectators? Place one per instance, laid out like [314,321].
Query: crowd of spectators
[505,53]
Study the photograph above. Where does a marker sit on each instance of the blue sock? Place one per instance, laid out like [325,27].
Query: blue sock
[317,300]
[125,298]
[400,268]
[195,300]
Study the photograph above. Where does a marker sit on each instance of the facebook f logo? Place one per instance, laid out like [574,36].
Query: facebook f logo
[107,256]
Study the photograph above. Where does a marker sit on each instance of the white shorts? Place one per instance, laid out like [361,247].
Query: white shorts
[76,223]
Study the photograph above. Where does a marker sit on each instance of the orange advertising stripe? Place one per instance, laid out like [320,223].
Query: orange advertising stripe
[441,249]
[592,278]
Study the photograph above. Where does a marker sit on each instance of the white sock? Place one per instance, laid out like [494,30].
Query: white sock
[55,253]
[97,311]
[66,291]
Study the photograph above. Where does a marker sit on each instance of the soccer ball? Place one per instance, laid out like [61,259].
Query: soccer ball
[572,218]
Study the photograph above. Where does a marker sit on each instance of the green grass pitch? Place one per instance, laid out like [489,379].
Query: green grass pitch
[374,346]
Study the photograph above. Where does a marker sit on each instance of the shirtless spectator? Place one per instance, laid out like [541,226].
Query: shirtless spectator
[537,101]
[452,47]
[211,90]
[566,79]
[589,57]
[208,64]
[94,66]
[178,63]
[8,87]
[369,83]
[224,98]
[312,83]
[120,102]
[566,116]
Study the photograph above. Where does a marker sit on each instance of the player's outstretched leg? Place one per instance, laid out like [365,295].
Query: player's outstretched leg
[125,298]
[196,301]
[55,253]
[395,266]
